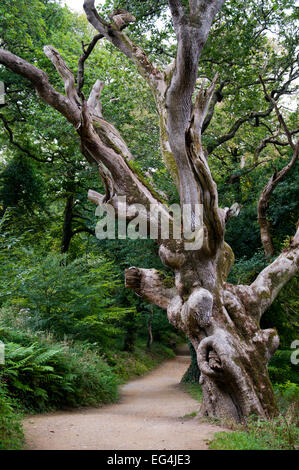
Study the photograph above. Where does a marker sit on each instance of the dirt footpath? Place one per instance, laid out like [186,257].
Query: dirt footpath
[149,415]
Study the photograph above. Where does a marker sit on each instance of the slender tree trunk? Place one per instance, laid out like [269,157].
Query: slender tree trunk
[131,332]
[149,329]
[67,232]
[276,178]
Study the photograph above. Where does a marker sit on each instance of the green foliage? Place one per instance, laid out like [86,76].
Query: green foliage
[131,364]
[279,433]
[284,314]
[192,374]
[11,433]
[288,390]
[276,434]
[243,232]
[284,208]
[287,394]
[19,186]
[281,369]
[74,298]
[194,389]
[246,270]
[43,374]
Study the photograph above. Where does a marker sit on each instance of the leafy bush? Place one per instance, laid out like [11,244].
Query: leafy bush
[281,370]
[246,270]
[275,434]
[284,314]
[281,432]
[43,374]
[129,364]
[287,395]
[194,389]
[11,433]
[68,298]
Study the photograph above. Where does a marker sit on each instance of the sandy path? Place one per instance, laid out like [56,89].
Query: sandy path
[148,416]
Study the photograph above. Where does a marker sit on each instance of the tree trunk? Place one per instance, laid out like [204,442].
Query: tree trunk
[149,329]
[131,332]
[234,377]
[222,323]
[67,232]
[232,351]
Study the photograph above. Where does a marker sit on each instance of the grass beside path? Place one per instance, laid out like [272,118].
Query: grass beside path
[280,433]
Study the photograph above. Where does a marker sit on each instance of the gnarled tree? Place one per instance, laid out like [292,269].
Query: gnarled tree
[221,320]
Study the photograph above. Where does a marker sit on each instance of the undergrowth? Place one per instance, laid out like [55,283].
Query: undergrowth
[11,432]
[279,433]
[41,374]
[194,390]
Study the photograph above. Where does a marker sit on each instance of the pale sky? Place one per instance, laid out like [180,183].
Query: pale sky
[77,5]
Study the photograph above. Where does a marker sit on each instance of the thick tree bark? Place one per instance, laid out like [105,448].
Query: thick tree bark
[220,320]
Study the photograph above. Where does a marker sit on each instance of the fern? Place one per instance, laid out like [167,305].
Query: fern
[47,375]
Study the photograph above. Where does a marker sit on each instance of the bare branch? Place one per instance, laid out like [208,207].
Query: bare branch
[236,126]
[95,197]
[234,177]
[65,73]
[108,133]
[42,85]
[124,179]
[268,140]
[83,58]
[250,116]
[217,97]
[122,42]
[264,199]
[93,101]
[271,280]
[19,146]
[278,113]
[149,284]
[201,107]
